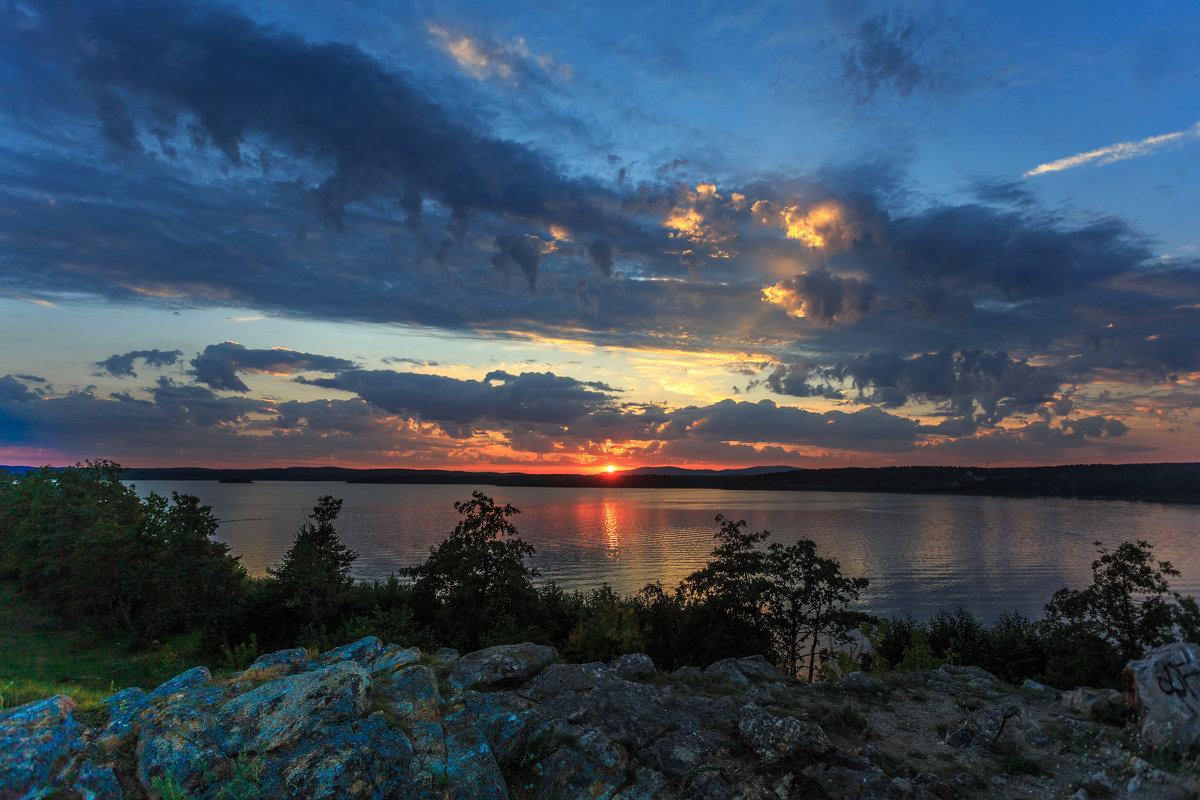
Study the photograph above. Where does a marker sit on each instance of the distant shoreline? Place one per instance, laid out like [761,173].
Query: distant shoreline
[1168,482]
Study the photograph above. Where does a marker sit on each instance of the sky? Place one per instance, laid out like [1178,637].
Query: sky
[555,236]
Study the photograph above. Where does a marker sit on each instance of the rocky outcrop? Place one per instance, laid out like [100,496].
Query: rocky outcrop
[370,720]
[1164,690]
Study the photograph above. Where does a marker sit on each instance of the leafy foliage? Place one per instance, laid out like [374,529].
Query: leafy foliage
[724,598]
[1126,604]
[314,575]
[804,605]
[81,543]
[475,585]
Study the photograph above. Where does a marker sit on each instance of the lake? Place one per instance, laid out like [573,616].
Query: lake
[920,552]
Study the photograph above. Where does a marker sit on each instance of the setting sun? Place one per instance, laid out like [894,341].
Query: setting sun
[610,468]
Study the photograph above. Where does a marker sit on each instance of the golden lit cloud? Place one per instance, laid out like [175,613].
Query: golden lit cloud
[821,226]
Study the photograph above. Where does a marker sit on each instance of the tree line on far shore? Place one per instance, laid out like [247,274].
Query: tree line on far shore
[81,544]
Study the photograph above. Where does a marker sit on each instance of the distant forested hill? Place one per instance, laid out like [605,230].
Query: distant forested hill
[1160,482]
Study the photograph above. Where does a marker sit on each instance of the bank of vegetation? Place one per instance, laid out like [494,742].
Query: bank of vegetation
[80,547]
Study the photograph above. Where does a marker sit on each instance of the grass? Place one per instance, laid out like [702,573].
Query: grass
[40,658]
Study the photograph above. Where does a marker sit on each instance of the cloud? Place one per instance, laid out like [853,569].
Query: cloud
[893,51]
[219,364]
[531,398]
[217,74]
[1115,152]
[822,297]
[13,391]
[121,366]
[523,252]
[484,58]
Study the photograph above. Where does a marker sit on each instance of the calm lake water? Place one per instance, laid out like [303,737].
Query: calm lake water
[921,553]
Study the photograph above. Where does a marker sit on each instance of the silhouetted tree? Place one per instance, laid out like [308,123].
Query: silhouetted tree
[475,585]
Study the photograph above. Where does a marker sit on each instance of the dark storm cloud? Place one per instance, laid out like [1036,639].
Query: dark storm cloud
[166,65]
[521,252]
[964,248]
[981,387]
[801,380]
[121,366]
[219,364]
[200,406]
[601,254]
[1096,427]
[869,428]
[13,391]
[528,398]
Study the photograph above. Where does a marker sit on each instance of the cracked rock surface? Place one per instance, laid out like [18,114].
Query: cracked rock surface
[369,720]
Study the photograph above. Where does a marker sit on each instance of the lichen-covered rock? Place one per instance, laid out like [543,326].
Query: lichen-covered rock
[1096,704]
[648,784]
[279,664]
[278,713]
[36,740]
[503,664]
[413,692]
[97,782]
[363,651]
[759,669]
[361,759]
[454,758]
[1164,688]
[178,748]
[592,767]
[124,716]
[471,767]
[446,656]
[774,738]
[392,659]
[194,678]
[634,666]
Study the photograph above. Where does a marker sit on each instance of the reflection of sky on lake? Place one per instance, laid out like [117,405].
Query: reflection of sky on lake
[920,552]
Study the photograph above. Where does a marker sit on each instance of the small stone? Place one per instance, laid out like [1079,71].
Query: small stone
[773,738]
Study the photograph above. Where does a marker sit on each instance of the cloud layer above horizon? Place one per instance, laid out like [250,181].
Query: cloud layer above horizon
[560,240]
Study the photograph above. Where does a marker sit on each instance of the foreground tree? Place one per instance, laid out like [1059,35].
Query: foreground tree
[724,599]
[1127,605]
[475,588]
[805,605]
[81,543]
[313,578]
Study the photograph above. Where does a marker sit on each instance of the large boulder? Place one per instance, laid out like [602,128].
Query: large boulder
[36,740]
[1164,689]
[278,713]
[500,666]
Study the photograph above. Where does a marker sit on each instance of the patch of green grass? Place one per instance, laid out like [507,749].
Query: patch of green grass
[40,658]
